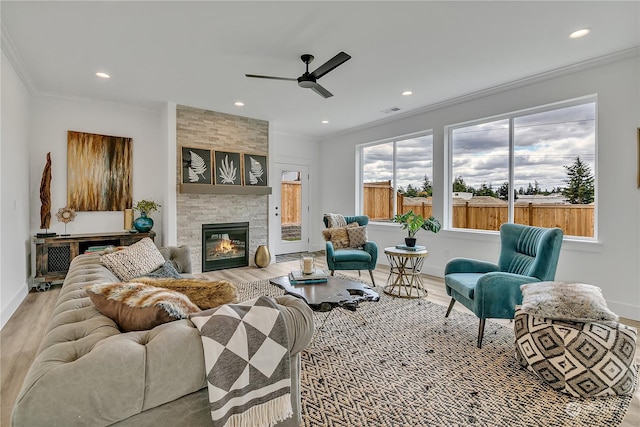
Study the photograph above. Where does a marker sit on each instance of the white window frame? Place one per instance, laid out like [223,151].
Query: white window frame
[359,208]
[448,131]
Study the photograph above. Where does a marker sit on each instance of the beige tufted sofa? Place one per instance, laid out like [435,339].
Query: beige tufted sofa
[88,373]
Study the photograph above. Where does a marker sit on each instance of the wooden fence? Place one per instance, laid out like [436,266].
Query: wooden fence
[574,220]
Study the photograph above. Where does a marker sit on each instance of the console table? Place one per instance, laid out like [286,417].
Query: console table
[53,255]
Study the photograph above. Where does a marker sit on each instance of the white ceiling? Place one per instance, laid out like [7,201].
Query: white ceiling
[196,53]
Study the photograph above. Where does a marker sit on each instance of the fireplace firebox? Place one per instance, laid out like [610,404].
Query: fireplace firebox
[225,245]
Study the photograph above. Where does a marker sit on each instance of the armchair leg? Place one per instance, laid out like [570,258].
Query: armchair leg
[480,332]
[332,271]
[453,301]
[372,279]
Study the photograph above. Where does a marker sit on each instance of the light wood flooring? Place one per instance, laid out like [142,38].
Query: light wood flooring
[20,338]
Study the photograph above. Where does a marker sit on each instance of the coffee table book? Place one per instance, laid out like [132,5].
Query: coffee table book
[318,273]
[295,281]
[411,248]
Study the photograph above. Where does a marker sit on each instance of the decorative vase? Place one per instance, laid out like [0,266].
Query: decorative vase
[263,257]
[143,224]
[410,241]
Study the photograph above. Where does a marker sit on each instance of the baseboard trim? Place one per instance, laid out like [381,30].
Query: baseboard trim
[625,310]
[12,306]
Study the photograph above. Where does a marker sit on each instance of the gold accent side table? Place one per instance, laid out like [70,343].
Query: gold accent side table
[404,279]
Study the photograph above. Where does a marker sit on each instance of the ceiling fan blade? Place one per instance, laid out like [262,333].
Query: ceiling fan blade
[321,91]
[334,62]
[256,76]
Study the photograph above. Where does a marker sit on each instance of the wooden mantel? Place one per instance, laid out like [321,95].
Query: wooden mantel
[224,189]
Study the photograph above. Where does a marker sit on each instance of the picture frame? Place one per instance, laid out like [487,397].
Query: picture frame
[228,168]
[255,170]
[196,166]
[107,184]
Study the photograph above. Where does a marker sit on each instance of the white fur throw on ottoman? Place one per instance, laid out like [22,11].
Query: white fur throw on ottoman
[580,357]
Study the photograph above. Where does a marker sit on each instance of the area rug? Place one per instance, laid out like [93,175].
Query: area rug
[402,363]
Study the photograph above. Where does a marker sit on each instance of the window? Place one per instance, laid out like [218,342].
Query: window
[534,167]
[396,176]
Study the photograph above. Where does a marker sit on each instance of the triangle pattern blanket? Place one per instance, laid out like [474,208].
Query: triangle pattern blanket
[246,354]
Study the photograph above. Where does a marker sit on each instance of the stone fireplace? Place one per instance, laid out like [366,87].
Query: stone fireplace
[215,131]
[225,245]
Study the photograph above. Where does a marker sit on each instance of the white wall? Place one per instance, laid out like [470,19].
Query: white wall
[14,182]
[300,150]
[611,263]
[52,117]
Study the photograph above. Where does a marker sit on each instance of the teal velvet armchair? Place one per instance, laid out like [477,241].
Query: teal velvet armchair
[353,258]
[492,291]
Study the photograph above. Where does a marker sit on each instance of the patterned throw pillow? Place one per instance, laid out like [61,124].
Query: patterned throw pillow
[139,307]
[335,220]
[134,261]
[357,236]
[338,235]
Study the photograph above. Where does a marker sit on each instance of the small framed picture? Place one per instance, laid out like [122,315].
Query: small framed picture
[255,170]
[196,166]
[228,170]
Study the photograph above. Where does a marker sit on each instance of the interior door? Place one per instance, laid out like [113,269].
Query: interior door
[291,208]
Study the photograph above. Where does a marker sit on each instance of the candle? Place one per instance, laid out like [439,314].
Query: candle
[307,265]
[128,219]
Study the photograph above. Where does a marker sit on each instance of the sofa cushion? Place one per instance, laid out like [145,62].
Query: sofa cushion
[203,293]
[133,261]
[570,301]
[138,307]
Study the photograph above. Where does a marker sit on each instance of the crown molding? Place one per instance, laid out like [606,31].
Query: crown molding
[9,49]
[151,107]
[610,58]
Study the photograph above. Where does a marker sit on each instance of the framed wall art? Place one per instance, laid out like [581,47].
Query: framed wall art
[228,170]
[99,171]
[255,170]
[196,166]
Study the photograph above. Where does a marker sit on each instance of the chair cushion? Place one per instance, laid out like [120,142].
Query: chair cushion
[463,283]
[351,255]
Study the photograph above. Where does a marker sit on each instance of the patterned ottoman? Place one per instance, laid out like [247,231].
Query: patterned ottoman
[583,359]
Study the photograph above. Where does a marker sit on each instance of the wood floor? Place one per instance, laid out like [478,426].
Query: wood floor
[20,338]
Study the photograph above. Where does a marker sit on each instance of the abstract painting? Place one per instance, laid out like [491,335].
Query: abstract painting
[255,170]
[196,166]
[227,168]
[99,172]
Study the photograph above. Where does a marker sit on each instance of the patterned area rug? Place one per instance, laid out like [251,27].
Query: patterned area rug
[409,366]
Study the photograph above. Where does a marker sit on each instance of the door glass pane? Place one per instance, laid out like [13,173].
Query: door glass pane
[480,174]
[377,178]
[291,214]
[554,155]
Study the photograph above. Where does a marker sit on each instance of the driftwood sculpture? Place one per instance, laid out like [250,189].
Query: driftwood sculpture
[45,195]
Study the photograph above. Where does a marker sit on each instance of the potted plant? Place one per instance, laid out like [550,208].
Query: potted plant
[144,224]
[413,222]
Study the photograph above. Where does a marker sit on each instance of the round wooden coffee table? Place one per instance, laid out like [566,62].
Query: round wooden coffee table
[405,279]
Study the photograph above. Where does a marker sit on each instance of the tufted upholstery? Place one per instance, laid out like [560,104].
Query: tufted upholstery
[88,373]
[492,291]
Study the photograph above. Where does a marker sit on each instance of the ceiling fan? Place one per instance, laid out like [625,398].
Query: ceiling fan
[309,80]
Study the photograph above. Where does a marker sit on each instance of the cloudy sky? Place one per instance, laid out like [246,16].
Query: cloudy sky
[544,144]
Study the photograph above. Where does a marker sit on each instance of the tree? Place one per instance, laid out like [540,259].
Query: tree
[427,186]
[459,186]
[502,192]
[580,183]
[485,190]
[411,191]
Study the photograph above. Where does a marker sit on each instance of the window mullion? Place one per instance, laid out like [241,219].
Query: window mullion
[510,199]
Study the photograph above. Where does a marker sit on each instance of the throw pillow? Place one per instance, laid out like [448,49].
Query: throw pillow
[203,293]
[139,307]
[357,236]
[133,261]
[335,220]
[165,270]
[567,301]
[338,235]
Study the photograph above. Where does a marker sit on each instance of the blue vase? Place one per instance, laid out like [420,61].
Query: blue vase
[143,224]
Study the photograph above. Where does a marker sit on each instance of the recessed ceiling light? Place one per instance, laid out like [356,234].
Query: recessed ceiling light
[324,122]
[239,104]
[407,93]
[103,75]
[579,33]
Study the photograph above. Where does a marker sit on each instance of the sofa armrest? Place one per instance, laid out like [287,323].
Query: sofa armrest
[298,318]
